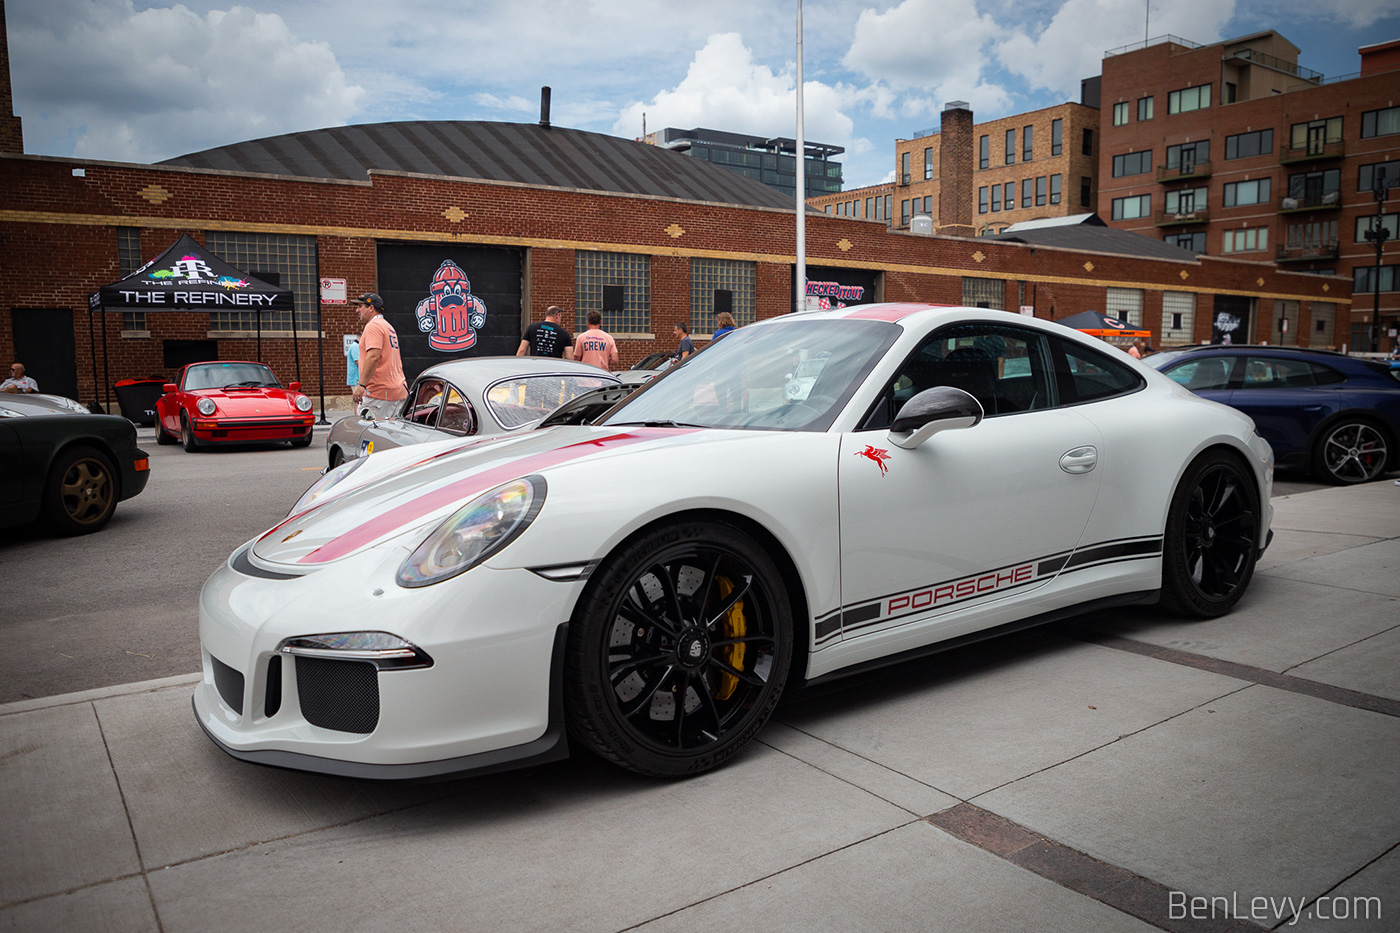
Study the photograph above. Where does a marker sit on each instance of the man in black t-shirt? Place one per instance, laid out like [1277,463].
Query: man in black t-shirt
[547,337]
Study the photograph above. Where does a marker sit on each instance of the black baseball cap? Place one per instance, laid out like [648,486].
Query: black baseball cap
[372,299]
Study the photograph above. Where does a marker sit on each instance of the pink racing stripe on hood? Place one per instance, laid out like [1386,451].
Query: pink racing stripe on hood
[469,487]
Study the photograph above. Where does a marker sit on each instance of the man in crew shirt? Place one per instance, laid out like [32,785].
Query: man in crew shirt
[382,387]
[547,337]
[596,346]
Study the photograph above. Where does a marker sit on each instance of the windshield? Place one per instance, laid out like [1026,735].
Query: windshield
[519,401]
[743,381]
[229,375]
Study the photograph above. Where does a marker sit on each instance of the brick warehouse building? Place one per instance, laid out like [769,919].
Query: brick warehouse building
[1233,149]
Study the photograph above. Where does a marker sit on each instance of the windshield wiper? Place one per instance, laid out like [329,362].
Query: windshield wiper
[248,384]
[653,424]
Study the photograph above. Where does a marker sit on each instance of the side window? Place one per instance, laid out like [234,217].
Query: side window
[425,403]
[457,414]
[1083,374]
[1006,369]
[1210,373]
[1275,373]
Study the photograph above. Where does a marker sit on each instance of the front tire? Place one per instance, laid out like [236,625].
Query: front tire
[302,441]
[1350,452]
[81,492]
[1209,552]
[679,650]
[187,438]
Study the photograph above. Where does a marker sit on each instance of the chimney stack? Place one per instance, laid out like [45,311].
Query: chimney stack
[544,106]
[955,153]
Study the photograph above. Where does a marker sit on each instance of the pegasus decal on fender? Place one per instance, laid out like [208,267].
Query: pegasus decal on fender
[877,455]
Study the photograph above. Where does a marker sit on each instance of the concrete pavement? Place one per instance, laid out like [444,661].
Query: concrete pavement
[1126,772]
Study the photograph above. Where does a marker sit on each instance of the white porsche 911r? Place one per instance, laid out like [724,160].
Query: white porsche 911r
[648,584]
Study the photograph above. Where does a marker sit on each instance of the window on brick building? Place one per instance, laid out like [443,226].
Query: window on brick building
[1027,143]
[1144,108]
[984,151]
[889,199]
[1367,175]
[982,200]
[1183,202]
[1057,128]
[867,209]
[996,198]
[1188,99]
[1251,240]
[1124,304]
[1380,122]
[1087,143]
[1040,191]
[1178,317]
[1086,192]
[1324,315]
[1120,113]
[1186,156]
[984,293]
[618,285]
[1363,279]
[1133,207]
[285,260]
[1010,147]
[928,163]
[904,168]
[1313,137]
[1315,189]
[1239,193]
[1027,192]
[128,261]
[1247,145]
[1195,242]
[1054,189]
[1132,163]
[1009,195]
[904,212]
[708,276]
[1364,225]
[928,204]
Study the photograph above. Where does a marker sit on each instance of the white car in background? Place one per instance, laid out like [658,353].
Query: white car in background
[649,584]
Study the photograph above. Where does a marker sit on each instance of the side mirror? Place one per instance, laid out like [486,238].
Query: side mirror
[294,387]
[942,408]
[167,388]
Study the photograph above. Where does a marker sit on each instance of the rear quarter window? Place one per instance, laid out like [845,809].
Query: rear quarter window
[1083,374]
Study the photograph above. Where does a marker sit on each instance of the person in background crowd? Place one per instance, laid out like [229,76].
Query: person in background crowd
[1138,349]
[596,346]
[686,346]
[725,320]
[19,383]
[382,387]
[351,347]
[547,337]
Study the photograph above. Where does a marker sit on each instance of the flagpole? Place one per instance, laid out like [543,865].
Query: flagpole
[801,284]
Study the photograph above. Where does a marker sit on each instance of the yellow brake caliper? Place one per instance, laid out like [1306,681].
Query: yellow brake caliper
[733,626]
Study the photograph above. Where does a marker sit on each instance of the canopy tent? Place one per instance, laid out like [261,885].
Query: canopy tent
[1098,324]
[188,277]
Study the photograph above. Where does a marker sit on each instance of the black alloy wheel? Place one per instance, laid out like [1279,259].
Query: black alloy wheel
[1351,452]
[81,493]
[678,650]
[1210,547]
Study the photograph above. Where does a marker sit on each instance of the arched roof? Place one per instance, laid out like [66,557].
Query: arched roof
[527,153]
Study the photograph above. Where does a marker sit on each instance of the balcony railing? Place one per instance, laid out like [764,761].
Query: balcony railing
[1323,252]
[1174,218]
[1313,152]
[1325,201]
[1166,173]
[1278,64]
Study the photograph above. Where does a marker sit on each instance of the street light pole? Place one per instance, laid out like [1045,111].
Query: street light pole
[1378,234]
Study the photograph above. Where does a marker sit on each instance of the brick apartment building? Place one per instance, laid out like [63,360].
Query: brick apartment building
[1234,150]
[977,180]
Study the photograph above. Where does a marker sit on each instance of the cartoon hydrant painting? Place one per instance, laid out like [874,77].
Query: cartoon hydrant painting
[451,315]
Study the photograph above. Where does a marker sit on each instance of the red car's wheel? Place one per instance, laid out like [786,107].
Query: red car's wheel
[187,434]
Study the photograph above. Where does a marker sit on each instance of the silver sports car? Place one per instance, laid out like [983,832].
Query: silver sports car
[469,398]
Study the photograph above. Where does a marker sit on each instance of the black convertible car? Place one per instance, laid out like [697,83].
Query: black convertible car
[64,466]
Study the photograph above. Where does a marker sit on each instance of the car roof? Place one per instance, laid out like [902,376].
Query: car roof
[1257,347]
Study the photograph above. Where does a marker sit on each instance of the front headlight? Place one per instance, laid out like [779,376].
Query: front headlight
[205,406]
[323,485]
[474,532]
[303,403]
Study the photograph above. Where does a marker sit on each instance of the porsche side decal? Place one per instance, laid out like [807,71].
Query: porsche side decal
[856,619]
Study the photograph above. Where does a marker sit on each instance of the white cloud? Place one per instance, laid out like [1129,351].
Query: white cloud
[922,44]
[1070,48]
[102,80]
[725,89]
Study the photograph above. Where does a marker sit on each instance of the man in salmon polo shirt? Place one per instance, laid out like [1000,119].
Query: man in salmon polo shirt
[382,388]
[596,346]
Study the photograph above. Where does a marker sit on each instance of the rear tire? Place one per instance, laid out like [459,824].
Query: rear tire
[163,439]
[1210,549]
[1349,452]
[678,650]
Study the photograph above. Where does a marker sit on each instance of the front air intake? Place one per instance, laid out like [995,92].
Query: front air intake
[339,695]
[229,683]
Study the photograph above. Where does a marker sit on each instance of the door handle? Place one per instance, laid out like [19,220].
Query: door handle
[1079,460]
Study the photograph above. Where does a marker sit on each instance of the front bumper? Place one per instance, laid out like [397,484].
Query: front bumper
[250,430]
[489,701]
[133,480]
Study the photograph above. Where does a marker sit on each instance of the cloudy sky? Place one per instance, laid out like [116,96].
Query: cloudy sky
[124,80]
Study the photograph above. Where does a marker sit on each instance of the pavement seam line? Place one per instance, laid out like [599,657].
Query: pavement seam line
[1341,648]
[1343,881]
[1335,586]
[1103,882]
[772,874]
[126,808]
[1249,673]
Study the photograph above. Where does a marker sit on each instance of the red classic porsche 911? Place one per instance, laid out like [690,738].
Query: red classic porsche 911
[232,402]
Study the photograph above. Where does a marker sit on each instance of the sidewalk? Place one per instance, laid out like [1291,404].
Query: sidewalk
[1091,777]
